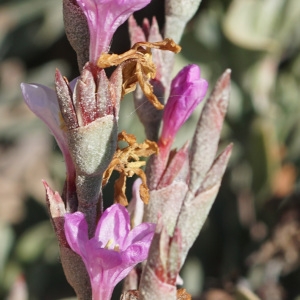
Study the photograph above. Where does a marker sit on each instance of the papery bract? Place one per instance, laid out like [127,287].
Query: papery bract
[104,17]
[187,91]
[114,250]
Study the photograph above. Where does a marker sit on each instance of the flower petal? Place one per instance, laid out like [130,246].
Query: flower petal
[101,258]
[104,17]
[114,225]
[133,255]
[76,231]
[42,101]
[142,233]
[136,205]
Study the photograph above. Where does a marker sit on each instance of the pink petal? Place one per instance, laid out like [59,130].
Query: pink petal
[42,101]
[132,256]
[100,259]
[122,272]
[136,253]
[76,231]
[114,225]
[136,205]
[104,17]
[142,233]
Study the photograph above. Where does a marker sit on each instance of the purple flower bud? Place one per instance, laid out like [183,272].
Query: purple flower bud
[187,91]
[104,17]
[114,250]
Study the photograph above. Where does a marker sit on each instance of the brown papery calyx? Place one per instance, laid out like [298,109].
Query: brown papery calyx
[127,162]
[138,66]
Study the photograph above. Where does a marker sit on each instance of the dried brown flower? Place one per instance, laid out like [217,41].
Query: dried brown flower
[138,66]
[135,295]
[182,294]
[127,162]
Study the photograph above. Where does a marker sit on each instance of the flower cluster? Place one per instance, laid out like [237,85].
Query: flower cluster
[173,195]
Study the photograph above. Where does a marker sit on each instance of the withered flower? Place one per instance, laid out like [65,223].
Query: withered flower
[182,294]
[138,66]
[127,162]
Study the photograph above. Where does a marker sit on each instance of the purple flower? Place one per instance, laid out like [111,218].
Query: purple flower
[114,250]
[104,17]
[187,91]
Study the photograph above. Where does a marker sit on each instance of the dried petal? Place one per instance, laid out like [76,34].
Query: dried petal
[127,162]
[138,66]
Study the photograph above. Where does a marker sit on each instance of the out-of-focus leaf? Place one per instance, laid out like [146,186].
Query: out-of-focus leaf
[250,23]
[34,243]
[193,276]
[264,155]
[242,293]
[6,238]
[258,81]
[15,15]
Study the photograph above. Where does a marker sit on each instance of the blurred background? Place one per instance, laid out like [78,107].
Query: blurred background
[251,240]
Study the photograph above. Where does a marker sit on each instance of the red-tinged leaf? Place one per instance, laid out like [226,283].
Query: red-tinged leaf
[64,97]
[176,163]
[77,31]
[206,138]
[196,206]
[160,273]
[167,202]
[57,211]
[85,102]
[136,33]
[116,81]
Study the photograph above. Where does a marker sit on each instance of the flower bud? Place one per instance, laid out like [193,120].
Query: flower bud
[187,91]
[90,116]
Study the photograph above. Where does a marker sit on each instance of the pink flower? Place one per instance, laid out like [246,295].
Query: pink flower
[114,250]
[43,102]
[187,91]
[104,17]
